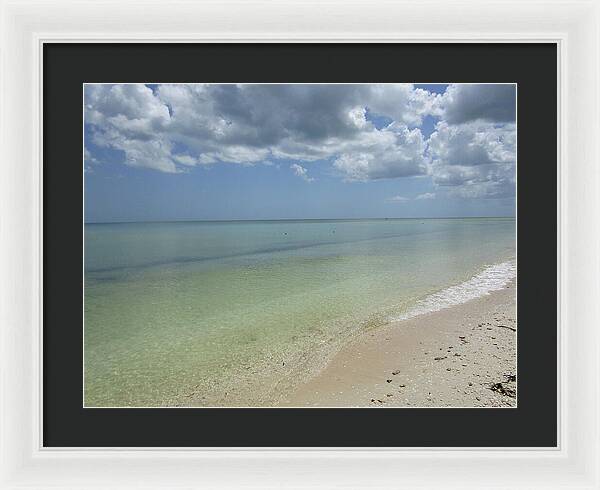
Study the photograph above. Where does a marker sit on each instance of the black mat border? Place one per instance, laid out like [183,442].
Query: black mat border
[67,66]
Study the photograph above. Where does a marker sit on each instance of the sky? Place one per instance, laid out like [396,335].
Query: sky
[298,151]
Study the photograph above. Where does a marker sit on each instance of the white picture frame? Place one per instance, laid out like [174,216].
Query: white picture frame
[574,26]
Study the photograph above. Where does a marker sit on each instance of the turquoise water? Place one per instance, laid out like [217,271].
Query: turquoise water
[235,313]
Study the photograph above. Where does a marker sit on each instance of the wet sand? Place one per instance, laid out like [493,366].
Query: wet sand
[462,356]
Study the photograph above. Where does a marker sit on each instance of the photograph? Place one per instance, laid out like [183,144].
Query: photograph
[299,245]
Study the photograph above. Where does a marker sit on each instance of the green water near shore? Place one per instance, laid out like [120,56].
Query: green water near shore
[221,313]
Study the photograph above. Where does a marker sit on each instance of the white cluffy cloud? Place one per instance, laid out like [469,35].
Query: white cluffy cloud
[474,160]
[420,197]
[301,172]
[173,128]
[395,151]
[399,199]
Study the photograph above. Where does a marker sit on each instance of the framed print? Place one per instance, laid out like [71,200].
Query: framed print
[333,257]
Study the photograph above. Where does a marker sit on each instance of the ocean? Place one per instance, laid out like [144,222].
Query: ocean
[237,313]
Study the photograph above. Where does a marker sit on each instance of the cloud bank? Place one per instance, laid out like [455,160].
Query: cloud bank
[470,153]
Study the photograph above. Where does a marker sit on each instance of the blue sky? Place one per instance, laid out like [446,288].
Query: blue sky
[185,152]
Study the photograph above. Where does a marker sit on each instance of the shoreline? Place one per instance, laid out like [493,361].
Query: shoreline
[390,365]
[461,356]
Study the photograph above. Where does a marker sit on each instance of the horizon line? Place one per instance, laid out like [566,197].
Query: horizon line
[287,219]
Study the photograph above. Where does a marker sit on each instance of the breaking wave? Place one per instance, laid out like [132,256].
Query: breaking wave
[492,278]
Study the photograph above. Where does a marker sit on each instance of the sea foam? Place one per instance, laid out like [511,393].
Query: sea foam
[492,278]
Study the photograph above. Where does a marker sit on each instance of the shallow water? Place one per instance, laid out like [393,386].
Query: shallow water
[231,313]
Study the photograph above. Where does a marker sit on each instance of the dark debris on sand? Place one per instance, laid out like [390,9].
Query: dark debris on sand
[503,390]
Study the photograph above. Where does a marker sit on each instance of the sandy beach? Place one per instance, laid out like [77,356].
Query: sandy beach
[462,356]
